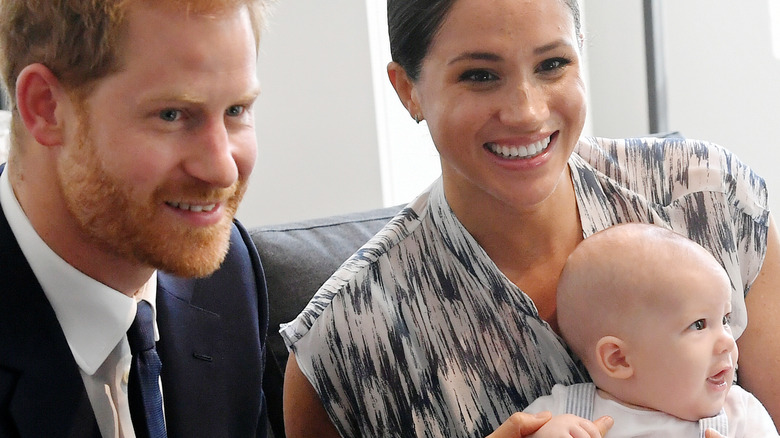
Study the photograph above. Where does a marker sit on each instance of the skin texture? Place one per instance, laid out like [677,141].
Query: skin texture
[100,174]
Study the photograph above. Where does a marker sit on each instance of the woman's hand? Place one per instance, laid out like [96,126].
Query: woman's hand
[522,424]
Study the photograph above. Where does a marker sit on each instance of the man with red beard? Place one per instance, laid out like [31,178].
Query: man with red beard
[132,143]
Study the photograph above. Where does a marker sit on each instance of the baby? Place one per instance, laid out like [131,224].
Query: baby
[647,311]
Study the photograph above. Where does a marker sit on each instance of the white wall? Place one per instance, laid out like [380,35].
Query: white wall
[332,136]
[615,46]
[316,121]
[408,158]
[723,80]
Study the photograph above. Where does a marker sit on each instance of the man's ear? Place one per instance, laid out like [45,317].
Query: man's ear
[38,94]
[612,358]
[404,88]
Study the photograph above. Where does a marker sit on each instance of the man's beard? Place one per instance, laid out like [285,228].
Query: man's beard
[135,228]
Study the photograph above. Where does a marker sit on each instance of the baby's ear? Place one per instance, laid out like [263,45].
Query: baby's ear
[612,358]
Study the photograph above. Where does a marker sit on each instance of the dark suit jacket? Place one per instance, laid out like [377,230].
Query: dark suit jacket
[212,347]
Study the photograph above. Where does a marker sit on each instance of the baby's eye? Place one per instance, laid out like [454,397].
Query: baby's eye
[170,115]
[478,76]
[699,325]
[727,319]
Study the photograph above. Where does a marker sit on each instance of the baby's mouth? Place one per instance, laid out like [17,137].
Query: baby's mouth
[720,378]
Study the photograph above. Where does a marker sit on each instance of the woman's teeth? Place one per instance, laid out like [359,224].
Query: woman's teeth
[194,208]
[520,152]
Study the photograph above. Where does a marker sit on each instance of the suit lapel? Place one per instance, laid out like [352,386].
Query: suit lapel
[40,384]
[190,349]
[211,341]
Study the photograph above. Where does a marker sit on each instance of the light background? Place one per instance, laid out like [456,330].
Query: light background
[333,137]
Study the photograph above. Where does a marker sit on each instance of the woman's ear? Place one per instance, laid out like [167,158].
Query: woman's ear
[612,358]
[404,88]
[38,93]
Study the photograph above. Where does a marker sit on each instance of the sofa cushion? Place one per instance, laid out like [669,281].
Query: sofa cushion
[299,257]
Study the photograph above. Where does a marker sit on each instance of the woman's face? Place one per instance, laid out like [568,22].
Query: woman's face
[502,93]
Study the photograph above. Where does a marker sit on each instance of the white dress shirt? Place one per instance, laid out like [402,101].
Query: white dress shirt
[93,316]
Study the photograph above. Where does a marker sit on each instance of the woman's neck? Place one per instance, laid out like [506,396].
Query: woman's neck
[521,235]
[529,245]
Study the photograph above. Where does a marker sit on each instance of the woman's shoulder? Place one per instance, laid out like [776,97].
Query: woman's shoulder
[674,165]
[368,261]
[654,153]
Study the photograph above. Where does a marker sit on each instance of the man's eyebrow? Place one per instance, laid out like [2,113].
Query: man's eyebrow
[187,98]
[175,97]
[252,94]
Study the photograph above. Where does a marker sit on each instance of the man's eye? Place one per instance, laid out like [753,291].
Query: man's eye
[478,76]
[699,325]
[235,110]
[170,115]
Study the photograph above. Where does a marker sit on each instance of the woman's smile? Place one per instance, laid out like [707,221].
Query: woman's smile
[519,152]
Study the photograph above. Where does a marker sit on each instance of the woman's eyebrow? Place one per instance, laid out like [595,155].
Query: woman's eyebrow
[476,56]
[489,56]
[552,46]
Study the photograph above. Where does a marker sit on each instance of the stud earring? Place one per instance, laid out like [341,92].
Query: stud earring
[417,118]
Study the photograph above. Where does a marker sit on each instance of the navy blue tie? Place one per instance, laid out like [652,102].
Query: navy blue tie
[143,388]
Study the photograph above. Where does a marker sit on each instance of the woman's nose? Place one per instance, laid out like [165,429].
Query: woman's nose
[526,104]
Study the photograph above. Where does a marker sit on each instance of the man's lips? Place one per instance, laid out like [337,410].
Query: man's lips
[197,208]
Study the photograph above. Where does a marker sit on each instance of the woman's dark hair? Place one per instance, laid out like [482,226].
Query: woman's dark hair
[412,24]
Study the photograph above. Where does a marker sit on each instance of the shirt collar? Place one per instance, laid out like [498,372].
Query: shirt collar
[93,316]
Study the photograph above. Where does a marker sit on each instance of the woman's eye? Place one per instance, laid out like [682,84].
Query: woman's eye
[478,76]
[235,110]
[699,325]
[170,115]
[553,64]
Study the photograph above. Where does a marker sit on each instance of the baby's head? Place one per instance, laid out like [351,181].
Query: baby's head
[647,312]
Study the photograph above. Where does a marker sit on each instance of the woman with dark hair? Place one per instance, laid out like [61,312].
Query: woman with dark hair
[444,324]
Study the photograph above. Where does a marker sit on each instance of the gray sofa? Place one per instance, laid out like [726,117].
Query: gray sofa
[297,258]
